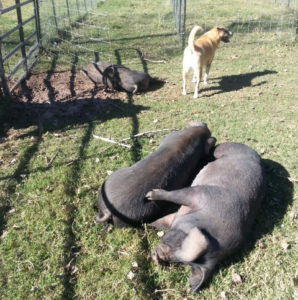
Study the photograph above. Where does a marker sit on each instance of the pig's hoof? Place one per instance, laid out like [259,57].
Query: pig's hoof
[152,194]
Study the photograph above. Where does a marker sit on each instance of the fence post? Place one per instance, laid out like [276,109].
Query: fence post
[37,22]
[3,83]
[54,13]
[77,3]
[68,13]
[21,33]
[183,24]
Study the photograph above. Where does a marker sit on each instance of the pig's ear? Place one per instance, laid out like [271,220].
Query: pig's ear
[209,145]
[197,278]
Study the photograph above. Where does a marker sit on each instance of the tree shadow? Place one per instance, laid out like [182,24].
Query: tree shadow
[236,82]
[278,197]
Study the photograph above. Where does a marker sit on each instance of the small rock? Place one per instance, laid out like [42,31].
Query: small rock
[109,172]
[134,264]
[155,121]
[97,160]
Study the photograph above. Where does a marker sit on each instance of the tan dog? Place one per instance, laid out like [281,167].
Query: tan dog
[200,53]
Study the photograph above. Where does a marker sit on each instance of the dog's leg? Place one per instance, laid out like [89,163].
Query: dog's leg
[195,76]
[207,73]
[199,77]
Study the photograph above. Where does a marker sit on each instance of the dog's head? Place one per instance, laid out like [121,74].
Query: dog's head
[224,34]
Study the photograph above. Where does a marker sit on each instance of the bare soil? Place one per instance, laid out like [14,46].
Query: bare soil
[60,97]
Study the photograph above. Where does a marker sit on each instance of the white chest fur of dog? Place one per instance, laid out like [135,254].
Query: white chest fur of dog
[200,53]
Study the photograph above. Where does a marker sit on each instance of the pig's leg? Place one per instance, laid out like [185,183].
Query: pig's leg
[184,196]
[164,222]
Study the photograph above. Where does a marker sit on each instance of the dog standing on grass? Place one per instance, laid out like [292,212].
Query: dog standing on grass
[200,53]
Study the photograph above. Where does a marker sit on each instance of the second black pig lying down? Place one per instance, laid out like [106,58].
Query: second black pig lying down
[172,166]
[216,214]
[119,77]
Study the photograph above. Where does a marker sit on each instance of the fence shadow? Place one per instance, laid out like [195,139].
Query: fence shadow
[59,115]
[235,82]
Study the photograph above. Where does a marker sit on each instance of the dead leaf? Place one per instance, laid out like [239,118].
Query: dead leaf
[4,234]
[130,275]
[134,264]
[160,233]
[284,244]
[236,278]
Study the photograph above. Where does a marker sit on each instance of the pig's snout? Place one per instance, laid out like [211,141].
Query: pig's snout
[161,253]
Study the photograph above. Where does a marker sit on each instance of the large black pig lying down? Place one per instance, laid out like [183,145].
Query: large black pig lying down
[119,77]
[216,214]
[172,166]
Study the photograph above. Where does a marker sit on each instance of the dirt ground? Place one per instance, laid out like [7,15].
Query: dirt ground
[51,96]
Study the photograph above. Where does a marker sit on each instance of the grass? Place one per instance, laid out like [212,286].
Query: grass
[50,246]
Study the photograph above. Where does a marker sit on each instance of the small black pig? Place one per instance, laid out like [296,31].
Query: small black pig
[118,77]
[216,214]
[173,165]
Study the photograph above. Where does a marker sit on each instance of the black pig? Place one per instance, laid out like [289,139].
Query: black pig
[118,77]
[216,214]
[171,166]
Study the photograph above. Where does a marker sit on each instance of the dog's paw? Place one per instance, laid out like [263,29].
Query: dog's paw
[194,79]
[205,82]
[184,93]
[195,96]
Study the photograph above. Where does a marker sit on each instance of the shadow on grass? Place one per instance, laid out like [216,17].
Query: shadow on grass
[278,197]
[15,179]
[235,82]
[55,116]
[71,247]
[147,278]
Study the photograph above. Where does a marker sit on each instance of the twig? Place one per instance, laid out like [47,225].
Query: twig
[88,156]
[51,160]
[155,61]
[164,290]
[111,141]
[146,133]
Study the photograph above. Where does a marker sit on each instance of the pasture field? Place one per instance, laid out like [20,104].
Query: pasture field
[52,165]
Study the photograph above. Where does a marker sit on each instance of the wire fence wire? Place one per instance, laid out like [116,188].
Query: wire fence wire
[80,31]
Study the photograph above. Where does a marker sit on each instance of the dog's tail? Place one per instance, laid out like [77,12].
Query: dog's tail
[192,35]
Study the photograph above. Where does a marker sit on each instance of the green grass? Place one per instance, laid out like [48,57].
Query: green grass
[51,247]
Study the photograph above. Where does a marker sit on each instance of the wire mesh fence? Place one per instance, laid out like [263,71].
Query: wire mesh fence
[78,31]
